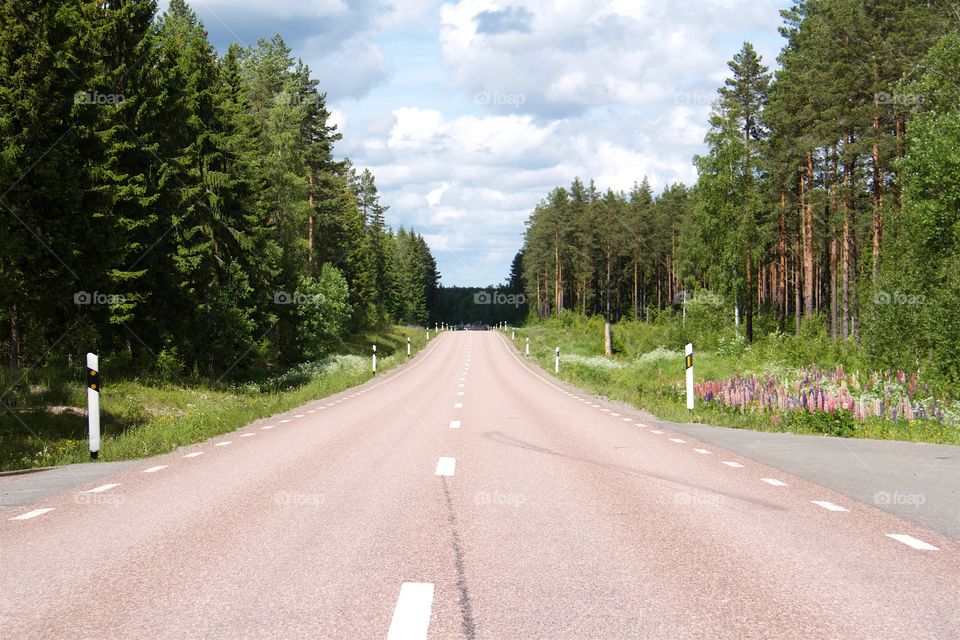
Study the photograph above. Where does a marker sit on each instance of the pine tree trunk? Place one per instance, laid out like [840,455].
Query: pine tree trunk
[784,271]
[877,195]
[659,289]
[808,275]
[635,290]
[796,274]
[833,289]
[558,280]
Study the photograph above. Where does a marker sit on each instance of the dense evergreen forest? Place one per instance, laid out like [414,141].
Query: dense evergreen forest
[162,201]
[828,199]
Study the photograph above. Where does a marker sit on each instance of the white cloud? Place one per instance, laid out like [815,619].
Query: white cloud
[278,8]
[352,70]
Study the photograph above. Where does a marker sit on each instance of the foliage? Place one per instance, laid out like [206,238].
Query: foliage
[208,194]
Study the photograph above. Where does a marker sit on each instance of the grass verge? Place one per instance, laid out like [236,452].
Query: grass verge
[647,371]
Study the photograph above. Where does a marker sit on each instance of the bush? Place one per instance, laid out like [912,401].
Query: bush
[169,365]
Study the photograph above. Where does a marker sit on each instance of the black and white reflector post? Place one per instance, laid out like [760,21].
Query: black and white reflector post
[93,403]
[556,364]
[689,365]
[528,347]
[408,346]
[374,359]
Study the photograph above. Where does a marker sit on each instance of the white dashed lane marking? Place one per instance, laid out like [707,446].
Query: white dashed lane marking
[458,405]
[446,466]
[735,465]
[774,482]
[247,435]
[32,514]
[912,542]
[655,431]
[102,488]
[223,444]
[155,469]
[829,506]
[269,426]
[454,424]
[701,451]
[411,616]
[195,454]
[677,440]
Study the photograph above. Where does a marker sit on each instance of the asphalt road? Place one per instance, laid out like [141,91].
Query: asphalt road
[467,495]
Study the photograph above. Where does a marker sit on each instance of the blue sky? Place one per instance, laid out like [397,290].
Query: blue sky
[468,112]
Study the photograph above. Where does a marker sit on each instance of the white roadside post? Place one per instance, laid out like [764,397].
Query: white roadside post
[408,346]
[689,365]
[556,364]
[513,334]
[93,403]
[374,359]
[528,347]
[428,334]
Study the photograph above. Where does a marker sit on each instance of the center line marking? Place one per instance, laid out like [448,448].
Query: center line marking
[677,440]
[701,451]
[411,616]
[829,506]
[102,488]
[454,424]
[459,393]
[269,426]
[155,469]
[655,431]
[458,405]
[223,444]
[32,514]
[735,465]
[247,435]
[616,415]
[299,415]
[913,542]
[284,421]
[446,466]
[195,454]
[774,482]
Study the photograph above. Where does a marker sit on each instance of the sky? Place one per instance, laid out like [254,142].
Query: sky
[469,112]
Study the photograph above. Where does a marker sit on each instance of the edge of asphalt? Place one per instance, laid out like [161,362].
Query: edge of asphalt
[915,481]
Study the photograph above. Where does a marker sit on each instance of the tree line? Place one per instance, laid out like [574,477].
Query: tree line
[827,195]
[160,200]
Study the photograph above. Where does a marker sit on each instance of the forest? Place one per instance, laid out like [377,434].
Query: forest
[164,203]
[827,201]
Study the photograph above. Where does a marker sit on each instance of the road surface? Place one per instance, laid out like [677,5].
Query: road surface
[467,495]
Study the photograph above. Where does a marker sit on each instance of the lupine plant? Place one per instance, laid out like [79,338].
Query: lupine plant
[894,395]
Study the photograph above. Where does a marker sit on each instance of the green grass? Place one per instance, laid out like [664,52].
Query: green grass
[44,423]
[647,371]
